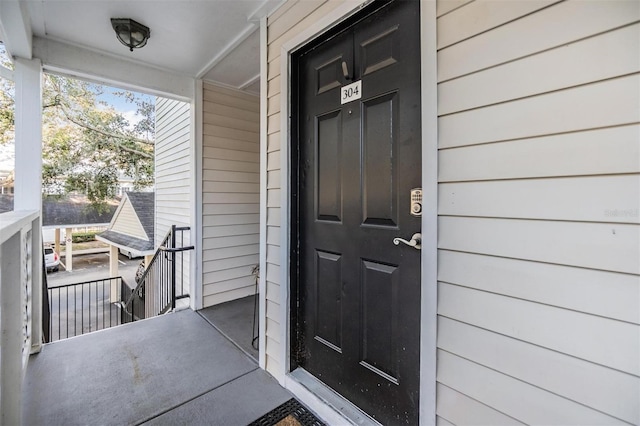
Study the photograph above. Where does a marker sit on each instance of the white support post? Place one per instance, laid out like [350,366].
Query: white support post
[195,277]
[113,272]
[28,179]
[28,130]
[57,241]
[68,259]
[11,327]
[113,261]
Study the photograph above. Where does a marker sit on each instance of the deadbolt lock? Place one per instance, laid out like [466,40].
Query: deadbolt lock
[416,202]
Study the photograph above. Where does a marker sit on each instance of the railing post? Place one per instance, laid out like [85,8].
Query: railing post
[173,267]
[36,287]
[114,292]
[151,291]
[11,326]
[68,258]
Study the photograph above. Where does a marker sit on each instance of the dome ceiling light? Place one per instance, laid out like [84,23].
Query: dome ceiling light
[132,34]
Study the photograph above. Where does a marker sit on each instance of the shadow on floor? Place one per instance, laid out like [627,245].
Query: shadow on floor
[234,319]
[172,369]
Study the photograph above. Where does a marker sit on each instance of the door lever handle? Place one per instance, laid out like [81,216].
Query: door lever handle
[415,242]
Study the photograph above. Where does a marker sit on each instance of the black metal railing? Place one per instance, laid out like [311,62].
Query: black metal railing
[81,308]
[163,281]
[46,310]
[135,311]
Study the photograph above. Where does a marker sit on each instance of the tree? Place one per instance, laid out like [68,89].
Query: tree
[6,101]
[87,144]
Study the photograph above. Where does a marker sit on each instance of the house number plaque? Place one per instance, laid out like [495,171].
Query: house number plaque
[351,92]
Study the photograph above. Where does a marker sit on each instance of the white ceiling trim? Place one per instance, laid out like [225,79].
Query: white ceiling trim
[249,82]
[249,29]
[15,27]
[105,68]
[229,87]
[115,57]
[265,9]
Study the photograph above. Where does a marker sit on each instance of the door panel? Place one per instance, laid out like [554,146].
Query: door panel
[380,319]
[379,178]
[329,176]
[328,299]
[358,324]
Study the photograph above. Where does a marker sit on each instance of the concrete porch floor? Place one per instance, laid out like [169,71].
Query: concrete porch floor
[173,369]
[234,319]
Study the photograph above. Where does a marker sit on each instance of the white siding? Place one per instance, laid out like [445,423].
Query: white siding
[539,236]
[539,200]
[172,170]
[231,194]
[125,221]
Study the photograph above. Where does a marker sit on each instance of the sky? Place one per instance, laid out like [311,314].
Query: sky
[128,109]
[6,157]
[118,102]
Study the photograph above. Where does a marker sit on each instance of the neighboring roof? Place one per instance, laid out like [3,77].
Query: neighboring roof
[67,211]
[126,242]
[143,204]
[6,203]
[74,210]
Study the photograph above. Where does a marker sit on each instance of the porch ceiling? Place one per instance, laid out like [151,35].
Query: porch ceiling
[216,40]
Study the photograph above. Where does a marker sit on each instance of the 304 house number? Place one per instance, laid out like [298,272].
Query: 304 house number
[351,92]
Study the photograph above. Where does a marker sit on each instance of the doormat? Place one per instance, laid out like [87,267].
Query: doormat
[291,413]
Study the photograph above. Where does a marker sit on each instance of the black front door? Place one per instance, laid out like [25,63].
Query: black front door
[356,162]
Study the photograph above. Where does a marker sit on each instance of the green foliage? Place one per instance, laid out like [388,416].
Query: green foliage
[7,90]
[87,143]
[83,237]
[7,117]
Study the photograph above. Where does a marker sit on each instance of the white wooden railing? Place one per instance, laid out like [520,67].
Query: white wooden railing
[20,305]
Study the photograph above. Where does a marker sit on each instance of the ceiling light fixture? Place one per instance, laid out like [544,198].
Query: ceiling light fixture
[132,34]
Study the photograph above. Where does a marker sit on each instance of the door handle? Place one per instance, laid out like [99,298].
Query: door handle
[415,242]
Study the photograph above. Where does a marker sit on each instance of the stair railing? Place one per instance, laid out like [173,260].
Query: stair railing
[157,288]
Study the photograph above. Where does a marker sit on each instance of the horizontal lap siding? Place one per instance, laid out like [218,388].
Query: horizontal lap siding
[231,194]
[173,173]
[288,21]
[539,235]
[127,222]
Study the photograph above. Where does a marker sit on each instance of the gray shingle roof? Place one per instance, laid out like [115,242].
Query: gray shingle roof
[127,241]
[6,203]
[67,211]
[143,204]
[74,210]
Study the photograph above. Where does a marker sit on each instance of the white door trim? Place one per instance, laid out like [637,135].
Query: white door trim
[429,294]
[430,198]
[262,284]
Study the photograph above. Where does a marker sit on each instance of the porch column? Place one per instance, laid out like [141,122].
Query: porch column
[68,259]
[113,272]
[57,241]
[147,259]
[28,129]
[28,175]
